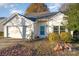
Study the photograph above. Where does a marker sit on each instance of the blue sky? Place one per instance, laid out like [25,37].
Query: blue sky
[7,9]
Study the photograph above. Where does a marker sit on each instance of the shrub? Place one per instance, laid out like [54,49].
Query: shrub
[43,49]
[53,37]
[65,36]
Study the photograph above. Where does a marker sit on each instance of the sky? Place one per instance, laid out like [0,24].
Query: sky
[6,9]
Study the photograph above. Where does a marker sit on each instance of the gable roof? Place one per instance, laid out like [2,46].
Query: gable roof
[41,15]
[14,15]
[33,17]
[9,18]
[30,18]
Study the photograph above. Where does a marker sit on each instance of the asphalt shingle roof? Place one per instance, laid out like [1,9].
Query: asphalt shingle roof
[35,16]
[32,16]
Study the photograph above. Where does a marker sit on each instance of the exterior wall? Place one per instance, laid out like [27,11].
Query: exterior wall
[57,20]
[5,31]
[33,27]
[19,22]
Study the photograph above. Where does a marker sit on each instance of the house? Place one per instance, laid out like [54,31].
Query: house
[34,25]
[2,19]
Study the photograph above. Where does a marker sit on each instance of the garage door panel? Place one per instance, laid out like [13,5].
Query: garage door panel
[15,32]
[19,32]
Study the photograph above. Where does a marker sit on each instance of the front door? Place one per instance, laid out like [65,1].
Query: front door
[42,31]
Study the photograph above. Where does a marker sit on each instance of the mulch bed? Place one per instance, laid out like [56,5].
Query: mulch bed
[17,50]
[20,50]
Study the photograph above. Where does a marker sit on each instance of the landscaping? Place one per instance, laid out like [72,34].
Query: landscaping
[43,47]
[37,48]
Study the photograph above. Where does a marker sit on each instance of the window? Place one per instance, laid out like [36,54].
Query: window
[62,29]
[56,29]
[59,29]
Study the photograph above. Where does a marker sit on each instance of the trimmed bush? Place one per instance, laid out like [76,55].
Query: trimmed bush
[53,37]
[66,36]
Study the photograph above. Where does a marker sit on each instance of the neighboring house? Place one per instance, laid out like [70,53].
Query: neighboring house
[2,19]
[34,25]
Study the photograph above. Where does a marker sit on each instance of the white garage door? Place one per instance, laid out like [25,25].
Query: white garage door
[15,32]
[19,32]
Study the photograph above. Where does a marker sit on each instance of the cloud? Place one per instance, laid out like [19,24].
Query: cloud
[54,7]
[3,4]
[7,5]
[15,11]
[12,5]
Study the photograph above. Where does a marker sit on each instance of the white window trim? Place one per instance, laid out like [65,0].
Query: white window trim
[66,30]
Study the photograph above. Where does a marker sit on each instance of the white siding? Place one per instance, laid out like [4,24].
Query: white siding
[16,24]
[33,27]
[57,20]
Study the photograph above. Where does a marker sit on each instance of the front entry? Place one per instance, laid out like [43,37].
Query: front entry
[42,31]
